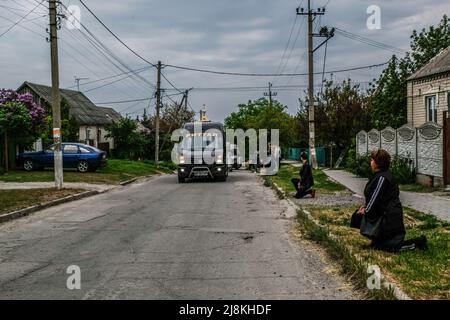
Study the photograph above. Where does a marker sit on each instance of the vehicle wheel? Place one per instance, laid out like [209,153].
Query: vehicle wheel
[181,179]
[28,165]
[83,166]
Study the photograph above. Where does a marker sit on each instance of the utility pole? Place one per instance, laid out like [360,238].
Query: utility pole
[270,94]
[158,105]
[77,81]
[324,32]
[56,107]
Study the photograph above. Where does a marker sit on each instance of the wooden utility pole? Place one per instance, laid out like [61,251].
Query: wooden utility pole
[270,94]
[5,151]
[158,104]
[323,33]
[186,93]
[56,107]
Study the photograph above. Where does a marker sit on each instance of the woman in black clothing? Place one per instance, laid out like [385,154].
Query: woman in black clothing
[382,200]
[306,182]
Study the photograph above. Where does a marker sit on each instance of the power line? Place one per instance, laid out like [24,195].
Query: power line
[124,101]
[114,35]
[272,74]
[20,20]
[107,50]
[114,76]
[368,41]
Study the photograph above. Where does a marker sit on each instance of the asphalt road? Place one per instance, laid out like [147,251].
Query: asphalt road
[162,240]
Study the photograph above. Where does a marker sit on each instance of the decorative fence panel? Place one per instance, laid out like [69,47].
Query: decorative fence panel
[423,145]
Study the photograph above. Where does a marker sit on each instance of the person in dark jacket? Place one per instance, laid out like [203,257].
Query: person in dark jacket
[306,182]
[382,199]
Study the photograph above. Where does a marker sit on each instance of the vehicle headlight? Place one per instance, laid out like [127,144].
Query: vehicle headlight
[219,159]
[181,159]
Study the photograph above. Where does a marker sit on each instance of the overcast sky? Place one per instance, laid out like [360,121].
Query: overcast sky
[247,36]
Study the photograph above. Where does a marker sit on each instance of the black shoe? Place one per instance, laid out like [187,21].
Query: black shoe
[421,242]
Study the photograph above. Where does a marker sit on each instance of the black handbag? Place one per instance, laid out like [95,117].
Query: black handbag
[371,229]
[356,220]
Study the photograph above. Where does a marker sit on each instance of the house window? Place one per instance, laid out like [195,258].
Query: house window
[448,104]
[431,108]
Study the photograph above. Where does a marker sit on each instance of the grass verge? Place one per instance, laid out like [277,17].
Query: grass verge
[322,183]
[13,200]
[420,274]
[115,172]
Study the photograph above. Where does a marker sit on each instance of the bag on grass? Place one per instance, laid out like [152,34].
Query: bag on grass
[371,229]
[356,219]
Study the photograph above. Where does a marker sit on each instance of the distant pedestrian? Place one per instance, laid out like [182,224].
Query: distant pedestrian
[381,218]
[306,182]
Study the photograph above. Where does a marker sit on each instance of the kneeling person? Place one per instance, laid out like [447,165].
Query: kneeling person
[306,182]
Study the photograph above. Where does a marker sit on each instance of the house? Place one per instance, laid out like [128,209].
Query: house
[428,110]
[90,118]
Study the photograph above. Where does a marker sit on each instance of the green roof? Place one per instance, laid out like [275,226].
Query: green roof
[82,109]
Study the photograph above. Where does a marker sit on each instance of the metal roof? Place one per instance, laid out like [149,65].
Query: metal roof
[82,109]
[439,64]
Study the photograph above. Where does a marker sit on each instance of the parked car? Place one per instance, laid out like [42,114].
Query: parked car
[75,155]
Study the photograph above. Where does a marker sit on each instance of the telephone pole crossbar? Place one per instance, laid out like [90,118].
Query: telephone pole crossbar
[270,94]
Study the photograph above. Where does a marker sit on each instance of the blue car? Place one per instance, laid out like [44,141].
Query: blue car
[75,155]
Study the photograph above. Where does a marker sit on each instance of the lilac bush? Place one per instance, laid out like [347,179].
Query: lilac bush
[37,112]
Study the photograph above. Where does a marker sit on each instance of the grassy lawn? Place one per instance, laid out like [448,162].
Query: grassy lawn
[116,172]
[421,274]
[321,181]
[12,200]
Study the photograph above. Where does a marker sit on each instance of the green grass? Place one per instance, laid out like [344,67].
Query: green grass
[421,274]
[116,171]
[12,200]
[322,183]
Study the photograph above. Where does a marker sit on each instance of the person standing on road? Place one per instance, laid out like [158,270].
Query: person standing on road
[306,182]
[383,211]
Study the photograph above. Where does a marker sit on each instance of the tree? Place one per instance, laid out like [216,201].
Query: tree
[388,93]
[341,113]
[172,116]
[129,143]
[69,126]
[22,120]
[428,43]
[259,114]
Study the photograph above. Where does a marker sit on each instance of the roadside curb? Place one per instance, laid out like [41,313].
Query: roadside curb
[27,211]
[397,292]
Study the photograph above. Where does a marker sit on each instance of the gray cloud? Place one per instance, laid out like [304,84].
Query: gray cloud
[239,36]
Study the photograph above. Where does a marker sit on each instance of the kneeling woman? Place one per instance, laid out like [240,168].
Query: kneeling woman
[383,212]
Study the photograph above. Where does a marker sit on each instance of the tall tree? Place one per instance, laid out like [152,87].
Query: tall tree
[341,113]
[259,114]
[388,92]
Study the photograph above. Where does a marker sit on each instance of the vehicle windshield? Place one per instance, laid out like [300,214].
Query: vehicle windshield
[206,140]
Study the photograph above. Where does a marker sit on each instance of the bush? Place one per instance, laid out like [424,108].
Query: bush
[360,165]
[403,170]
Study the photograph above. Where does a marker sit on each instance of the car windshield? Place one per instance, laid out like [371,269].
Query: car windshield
[194,141]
